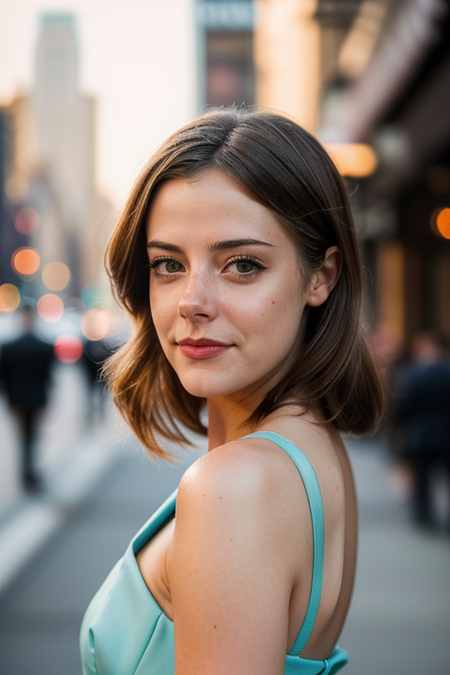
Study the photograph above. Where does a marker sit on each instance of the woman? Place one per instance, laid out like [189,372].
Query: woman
[236,258]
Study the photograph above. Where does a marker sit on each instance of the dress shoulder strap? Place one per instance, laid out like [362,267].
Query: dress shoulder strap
[157,520]
[312,488]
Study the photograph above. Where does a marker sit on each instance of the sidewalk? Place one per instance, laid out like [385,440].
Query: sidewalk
[61,424]
[29,521]
[73,448]
[399,619]
[42,606]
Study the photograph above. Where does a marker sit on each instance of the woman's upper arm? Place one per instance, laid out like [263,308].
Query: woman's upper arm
[229,579]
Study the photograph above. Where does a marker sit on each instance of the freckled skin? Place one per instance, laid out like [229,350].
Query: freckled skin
[206,297]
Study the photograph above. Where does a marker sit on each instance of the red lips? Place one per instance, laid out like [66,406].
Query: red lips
[202,342]
[202,348]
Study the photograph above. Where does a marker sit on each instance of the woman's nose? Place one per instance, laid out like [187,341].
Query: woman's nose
[197,301]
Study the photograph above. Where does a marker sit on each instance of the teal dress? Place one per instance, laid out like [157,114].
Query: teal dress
[125,631]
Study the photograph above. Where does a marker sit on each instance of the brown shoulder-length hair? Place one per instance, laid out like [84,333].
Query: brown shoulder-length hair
[288,171]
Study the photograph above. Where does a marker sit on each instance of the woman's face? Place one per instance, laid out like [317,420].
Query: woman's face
[226,292]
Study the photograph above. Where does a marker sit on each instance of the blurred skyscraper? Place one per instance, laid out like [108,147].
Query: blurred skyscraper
[51,167]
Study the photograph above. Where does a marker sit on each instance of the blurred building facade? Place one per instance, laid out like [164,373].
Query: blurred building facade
[50,161]
[387,82]
[374,75]
[7,231]
[287,58]
[225,49]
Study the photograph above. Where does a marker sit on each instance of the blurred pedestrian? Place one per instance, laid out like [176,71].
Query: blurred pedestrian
[25,369]
[95,353]
[389,350]
[423,420]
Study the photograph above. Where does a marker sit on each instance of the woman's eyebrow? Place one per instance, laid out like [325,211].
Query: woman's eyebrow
[164,245]
[235,243]
[217,246]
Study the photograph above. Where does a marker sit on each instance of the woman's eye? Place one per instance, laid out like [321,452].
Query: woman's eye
[172,266]
[166,266]
[245,267]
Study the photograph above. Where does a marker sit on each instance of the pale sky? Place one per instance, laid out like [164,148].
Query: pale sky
[137,58]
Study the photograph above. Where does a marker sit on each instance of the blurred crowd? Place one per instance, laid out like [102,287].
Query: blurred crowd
[416,426]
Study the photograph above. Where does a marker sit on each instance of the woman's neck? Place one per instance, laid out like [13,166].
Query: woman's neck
[227,421]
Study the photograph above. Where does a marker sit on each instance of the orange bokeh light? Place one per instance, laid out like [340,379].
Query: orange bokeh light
[25,261]
[27,220]
[50,308]
[68,348]
[443,223]
[9,298]
[96,324]
[353,159]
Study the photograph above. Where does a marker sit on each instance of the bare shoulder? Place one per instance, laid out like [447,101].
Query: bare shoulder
[236,462]
[250,489]
[243,472]
[232,564]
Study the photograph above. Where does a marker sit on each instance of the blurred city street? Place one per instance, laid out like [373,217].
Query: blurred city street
[56,547]
[104,489]
[399,619]
[370,79]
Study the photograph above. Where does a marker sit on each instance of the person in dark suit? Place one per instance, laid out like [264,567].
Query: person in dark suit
[25,369]
[423,418]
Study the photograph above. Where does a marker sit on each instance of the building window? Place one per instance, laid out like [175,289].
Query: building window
[229,68]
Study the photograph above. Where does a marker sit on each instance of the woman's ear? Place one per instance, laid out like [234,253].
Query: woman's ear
[324,280]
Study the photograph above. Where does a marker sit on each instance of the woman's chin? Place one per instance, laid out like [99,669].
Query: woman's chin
[205,389]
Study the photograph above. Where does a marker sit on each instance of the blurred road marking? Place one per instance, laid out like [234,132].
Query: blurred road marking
[28,530]
[24,535]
